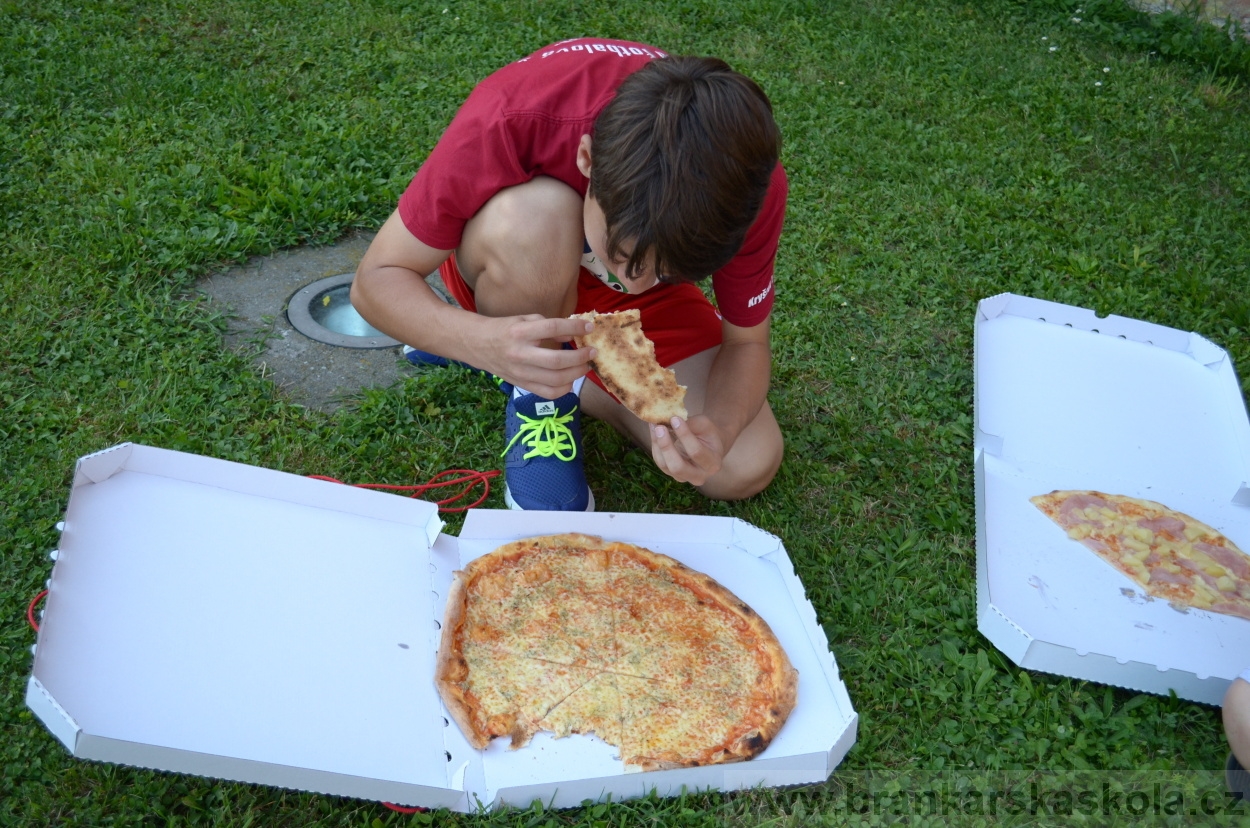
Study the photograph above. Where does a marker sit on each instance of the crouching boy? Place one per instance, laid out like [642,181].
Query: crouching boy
[597,175]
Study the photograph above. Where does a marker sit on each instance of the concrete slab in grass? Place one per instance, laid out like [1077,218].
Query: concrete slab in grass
[308,372]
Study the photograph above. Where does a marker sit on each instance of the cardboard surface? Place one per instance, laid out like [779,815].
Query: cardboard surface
[215,610]
[1065,400]
[223,620]
[745,561]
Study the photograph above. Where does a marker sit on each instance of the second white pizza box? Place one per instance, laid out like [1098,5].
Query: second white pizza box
[1067,400]
[228,621]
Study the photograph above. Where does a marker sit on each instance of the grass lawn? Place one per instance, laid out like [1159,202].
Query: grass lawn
[938,151]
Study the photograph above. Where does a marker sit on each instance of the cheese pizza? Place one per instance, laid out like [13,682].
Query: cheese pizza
[627,365]
[1170,554]
[575,634]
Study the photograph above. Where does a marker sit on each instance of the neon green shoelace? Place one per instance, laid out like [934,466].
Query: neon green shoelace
[548,436]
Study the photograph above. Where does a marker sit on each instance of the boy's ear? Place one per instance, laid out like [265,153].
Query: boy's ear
[583,155]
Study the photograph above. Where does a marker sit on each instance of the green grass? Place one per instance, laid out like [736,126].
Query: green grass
[938,152]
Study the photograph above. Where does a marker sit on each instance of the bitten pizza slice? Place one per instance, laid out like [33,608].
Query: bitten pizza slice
[492,694]
[627,365]
[595,707]
[1168,553]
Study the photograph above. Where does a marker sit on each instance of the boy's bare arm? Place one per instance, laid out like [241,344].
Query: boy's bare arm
[737,387]
[391,294]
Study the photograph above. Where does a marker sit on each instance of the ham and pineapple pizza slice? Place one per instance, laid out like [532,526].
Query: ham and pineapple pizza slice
[1171,555]
[627,365]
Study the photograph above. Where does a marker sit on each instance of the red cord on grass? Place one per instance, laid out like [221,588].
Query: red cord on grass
[30,610]
[468,478]
[401,809]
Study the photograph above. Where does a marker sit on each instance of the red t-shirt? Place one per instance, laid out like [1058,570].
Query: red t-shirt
[526,120]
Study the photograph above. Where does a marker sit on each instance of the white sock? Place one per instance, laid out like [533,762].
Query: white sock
[518,391]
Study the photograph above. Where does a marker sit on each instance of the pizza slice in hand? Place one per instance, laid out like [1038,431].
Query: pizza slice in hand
[627,365]
[1170,554]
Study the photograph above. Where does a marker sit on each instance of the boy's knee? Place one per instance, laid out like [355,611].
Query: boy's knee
[748,469]
[531,215]
[1236,715]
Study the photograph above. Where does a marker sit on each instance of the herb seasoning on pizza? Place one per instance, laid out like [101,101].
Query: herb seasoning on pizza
[1170,554]
[574,634]
[626,363]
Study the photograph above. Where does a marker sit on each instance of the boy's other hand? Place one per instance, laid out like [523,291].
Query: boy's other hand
[689,451]
[524,351]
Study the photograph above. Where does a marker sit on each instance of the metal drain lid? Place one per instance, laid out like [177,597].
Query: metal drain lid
[323,311]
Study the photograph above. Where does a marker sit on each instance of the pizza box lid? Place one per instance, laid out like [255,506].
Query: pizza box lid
[224,620]
[1065,399]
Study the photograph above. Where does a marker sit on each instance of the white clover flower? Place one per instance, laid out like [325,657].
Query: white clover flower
[1097,83]
[1076,20]
[1106,69]
[1054,48]
[1044,37]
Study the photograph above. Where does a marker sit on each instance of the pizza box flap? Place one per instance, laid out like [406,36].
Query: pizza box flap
[1058,385]
[1067,400]
[749,562]
[219,619]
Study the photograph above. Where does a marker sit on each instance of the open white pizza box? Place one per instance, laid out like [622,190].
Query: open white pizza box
[223,620]
[1067,400]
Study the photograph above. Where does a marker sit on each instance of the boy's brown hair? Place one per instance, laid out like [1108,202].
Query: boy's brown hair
[681,161]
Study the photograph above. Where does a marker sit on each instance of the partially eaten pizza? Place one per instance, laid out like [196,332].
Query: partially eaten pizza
[574,634]
[627,365]
[1171,555]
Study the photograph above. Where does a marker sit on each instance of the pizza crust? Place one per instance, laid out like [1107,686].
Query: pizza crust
[627,366]
[450,668]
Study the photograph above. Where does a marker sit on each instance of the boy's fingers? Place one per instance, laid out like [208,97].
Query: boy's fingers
[564,359]
[688,440]
[670,459]
[563,329]
[661,446]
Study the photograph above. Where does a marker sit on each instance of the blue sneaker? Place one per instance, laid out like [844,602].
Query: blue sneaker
[418,357]
[543,458]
